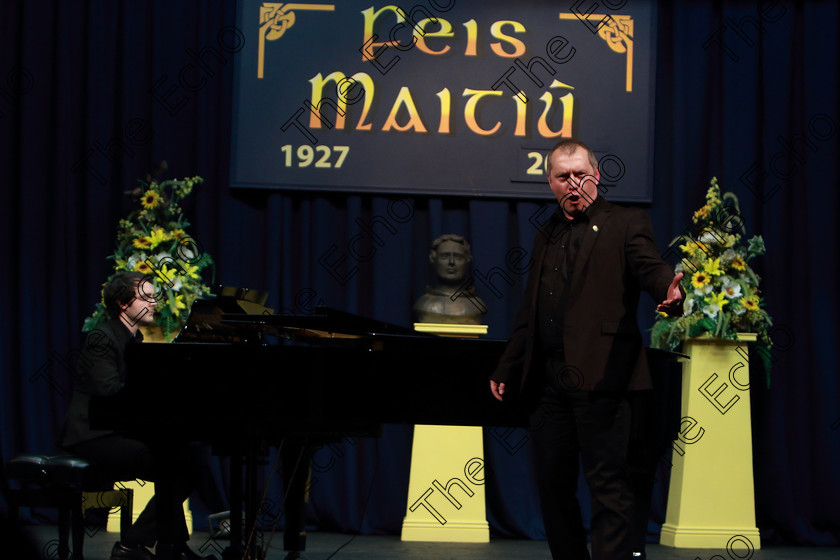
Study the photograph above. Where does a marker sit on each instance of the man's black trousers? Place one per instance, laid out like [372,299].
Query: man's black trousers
[572,428]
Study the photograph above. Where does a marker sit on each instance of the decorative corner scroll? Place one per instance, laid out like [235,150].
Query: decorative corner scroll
[275,19]
[617,32]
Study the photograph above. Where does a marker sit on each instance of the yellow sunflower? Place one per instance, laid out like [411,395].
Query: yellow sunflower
[750,303]
[150,199]
[143,267]
[700,279]
[739,264]
[142,242]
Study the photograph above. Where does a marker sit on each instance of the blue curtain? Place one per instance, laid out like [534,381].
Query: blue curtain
[745,91]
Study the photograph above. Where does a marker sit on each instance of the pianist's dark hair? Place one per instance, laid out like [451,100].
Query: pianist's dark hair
[119,290]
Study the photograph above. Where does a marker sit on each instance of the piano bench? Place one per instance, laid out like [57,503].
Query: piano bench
[73,486]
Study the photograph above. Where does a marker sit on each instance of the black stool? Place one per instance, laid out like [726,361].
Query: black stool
[73,486]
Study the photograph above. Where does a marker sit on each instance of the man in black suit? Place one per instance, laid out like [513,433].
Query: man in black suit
[101,371]
[575,353]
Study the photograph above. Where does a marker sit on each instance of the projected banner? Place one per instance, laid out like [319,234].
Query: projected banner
[442,97]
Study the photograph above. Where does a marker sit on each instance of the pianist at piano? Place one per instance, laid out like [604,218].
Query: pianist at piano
[101,371]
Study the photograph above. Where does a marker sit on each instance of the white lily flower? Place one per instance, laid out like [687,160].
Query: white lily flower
[710,238]
[186,253]
[731,288]
[711,310]
[705,290]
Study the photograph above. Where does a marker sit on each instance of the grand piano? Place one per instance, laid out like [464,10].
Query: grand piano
[244,381]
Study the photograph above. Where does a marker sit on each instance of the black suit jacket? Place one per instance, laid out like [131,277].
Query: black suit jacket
[100,372]
[616,260]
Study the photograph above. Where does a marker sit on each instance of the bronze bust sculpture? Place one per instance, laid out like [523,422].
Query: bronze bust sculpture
[451,300]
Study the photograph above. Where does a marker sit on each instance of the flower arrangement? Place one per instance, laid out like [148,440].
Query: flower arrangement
[152,240]
[722,295]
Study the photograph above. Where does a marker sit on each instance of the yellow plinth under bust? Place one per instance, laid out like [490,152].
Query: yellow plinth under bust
[711,499]
[451,329]
[446,499]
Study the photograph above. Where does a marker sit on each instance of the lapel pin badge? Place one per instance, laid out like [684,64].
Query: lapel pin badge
[594,228]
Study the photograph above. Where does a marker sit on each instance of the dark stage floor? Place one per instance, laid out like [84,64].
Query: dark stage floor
[322,546]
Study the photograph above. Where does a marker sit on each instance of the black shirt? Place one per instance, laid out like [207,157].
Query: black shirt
[558,264]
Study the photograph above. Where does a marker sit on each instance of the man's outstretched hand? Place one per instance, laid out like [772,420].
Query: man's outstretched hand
[673,299]
[498,389]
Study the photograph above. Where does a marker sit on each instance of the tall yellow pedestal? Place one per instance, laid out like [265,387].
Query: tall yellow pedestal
[142,494]
[711,501]
[446,485]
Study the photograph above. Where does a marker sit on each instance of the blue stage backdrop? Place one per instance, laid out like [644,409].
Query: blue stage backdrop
[441,98]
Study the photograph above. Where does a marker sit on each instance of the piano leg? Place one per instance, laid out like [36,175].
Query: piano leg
[234,551]
[296,456]
[251,504]
[243,538]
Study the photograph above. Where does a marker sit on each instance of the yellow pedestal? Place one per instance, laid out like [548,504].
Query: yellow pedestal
[711,500]
[142,494]
[446,486]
